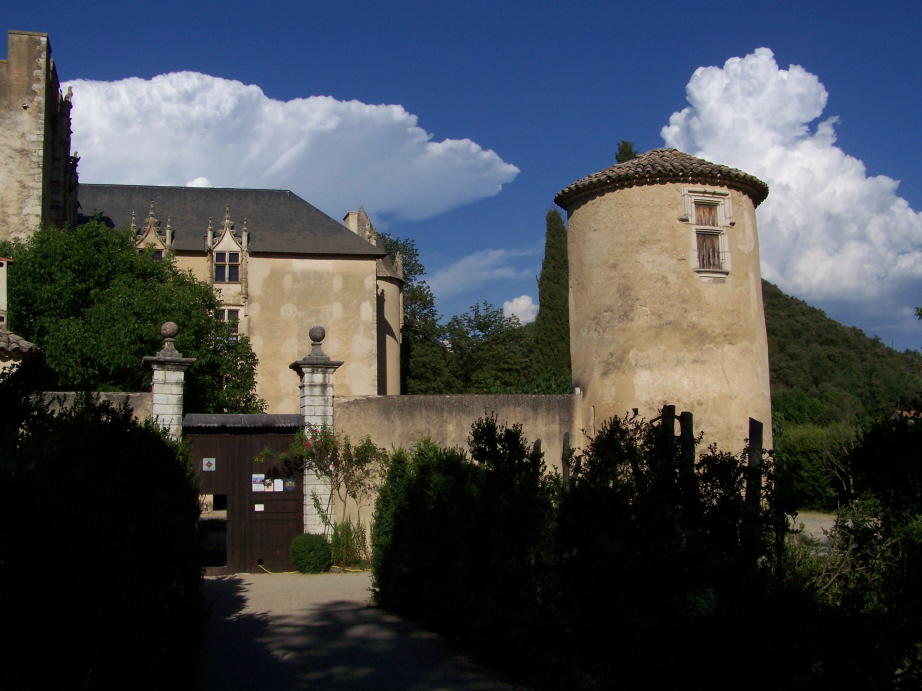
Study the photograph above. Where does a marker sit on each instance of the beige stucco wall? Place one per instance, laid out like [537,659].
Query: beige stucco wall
[647,330]
[286,297]
[395,421]
[390,314]
[23,95]
[400,421]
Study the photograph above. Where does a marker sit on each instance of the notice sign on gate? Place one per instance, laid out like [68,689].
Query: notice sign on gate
[208,464]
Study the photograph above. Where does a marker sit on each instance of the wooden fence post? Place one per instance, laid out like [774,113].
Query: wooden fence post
[754,477]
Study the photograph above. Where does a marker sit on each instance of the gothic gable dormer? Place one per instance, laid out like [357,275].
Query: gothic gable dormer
[227,259]
[151,236]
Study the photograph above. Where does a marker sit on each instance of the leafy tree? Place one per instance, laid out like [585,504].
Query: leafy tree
[94,305]
[625,151]
[552,325]
[423,355]
[488,349]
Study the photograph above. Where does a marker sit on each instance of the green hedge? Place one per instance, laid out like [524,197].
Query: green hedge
[100,561]
[646,569]
[311,553]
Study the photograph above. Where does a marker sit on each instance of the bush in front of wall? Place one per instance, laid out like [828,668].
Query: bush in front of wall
[350,544]
[311,553]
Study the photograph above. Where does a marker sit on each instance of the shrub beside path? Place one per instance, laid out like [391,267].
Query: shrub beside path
[294,631]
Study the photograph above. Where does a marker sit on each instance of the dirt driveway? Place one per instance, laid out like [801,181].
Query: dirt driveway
[293,631]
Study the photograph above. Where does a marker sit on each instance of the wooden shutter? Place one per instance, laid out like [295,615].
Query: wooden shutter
[709,251]
[706,215]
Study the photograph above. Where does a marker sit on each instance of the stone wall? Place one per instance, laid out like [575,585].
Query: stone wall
[399,421]
[37,172]
[394,421]
[141,403]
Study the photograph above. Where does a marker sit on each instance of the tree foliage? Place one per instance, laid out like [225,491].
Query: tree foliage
[552,325]
[94,305]
[813,354]
[626,151]
[100,560]
[626,575]
[480,351]
[487,350]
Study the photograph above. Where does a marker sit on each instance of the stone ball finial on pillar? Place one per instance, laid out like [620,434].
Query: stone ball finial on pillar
[316,374]
[169,330]
[167,384]
[317,334]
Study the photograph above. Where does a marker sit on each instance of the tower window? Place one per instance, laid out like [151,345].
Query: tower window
[708,251]
[710,214]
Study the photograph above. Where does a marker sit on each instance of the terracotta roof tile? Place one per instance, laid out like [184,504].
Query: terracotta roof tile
[661,166]
[11,343]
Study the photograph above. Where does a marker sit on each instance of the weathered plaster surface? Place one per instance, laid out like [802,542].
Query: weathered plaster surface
[646,330]
[289,295]
[400,421]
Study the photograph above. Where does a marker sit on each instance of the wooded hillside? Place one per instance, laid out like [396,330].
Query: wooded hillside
[816,355]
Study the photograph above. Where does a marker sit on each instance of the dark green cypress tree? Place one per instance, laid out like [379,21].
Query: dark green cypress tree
[552,325]
[626,151]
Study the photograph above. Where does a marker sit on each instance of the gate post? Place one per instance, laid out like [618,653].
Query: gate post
[167,384]
[316,373]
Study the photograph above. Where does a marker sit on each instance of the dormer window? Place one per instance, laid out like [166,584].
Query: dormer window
[227,267]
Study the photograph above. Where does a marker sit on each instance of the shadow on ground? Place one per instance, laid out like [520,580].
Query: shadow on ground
[337,644]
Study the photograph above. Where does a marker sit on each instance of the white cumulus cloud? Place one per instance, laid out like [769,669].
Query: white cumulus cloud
[190,128]
[829,233]
[522,307]
[477,269]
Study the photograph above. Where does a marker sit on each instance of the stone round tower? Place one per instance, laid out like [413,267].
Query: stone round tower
[666,294]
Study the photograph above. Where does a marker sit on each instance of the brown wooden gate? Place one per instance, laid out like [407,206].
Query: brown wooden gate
[260,524]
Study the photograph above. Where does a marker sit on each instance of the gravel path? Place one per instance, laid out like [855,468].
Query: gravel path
[814,523]
[293,631]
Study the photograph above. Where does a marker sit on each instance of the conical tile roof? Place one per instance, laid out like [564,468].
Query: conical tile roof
[661,166]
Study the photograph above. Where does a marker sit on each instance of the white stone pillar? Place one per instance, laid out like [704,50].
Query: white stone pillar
[316,373]
[168,381]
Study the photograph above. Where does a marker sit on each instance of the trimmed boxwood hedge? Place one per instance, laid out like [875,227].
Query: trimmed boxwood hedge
[311,553]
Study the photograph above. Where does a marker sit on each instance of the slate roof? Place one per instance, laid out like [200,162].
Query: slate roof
[661,166]
[279,221]
[10,343]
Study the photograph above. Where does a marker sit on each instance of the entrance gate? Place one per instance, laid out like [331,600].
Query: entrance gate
[261,518]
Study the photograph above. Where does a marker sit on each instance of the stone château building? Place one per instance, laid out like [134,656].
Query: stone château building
[279,266]
[665,290]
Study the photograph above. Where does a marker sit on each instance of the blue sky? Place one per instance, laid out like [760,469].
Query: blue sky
[546,88]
